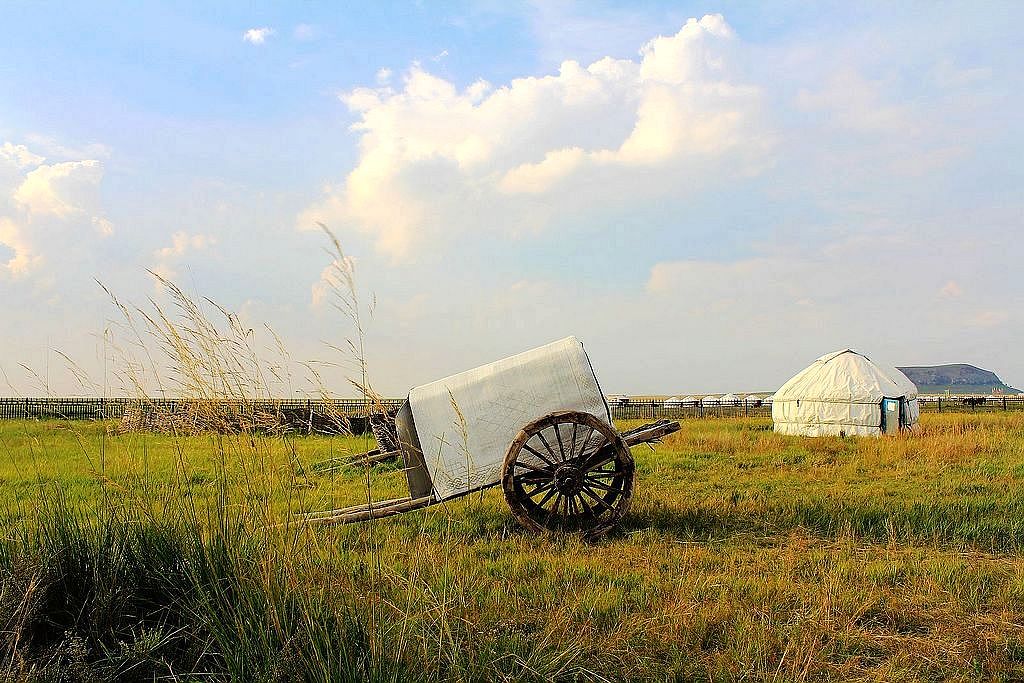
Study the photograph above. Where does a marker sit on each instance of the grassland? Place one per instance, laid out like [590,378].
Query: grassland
[747,556]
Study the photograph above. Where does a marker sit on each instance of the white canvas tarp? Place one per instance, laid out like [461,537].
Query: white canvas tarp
[495,402]
[841,393]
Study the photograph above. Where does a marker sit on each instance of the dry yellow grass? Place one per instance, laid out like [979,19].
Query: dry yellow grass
[748,555]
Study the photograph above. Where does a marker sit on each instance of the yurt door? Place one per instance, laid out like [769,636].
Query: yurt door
[890,415]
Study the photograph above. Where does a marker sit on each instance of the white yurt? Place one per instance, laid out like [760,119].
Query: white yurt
[711,400]
[688,401]
[845,392]
[729,399]
[768,399]
[752,399]
[672,402]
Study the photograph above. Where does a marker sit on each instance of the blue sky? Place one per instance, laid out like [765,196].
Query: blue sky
[710,195]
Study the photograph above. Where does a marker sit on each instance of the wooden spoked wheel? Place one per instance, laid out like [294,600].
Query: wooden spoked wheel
[568,471]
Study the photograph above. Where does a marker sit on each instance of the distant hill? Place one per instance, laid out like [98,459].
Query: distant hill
[957,378]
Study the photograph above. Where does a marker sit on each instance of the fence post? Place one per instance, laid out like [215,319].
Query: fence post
[940,405]
[1004,403]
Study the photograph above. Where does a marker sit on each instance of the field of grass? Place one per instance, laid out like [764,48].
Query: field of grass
[747,556]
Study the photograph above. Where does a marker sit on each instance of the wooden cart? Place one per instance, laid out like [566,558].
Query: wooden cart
[537,424]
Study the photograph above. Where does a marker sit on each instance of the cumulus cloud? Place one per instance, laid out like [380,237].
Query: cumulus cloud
[19,156]
[60,190]
[183,242]
[436,161]
[48,211]
[257,36]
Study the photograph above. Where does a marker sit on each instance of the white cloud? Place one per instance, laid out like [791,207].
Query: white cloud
[183,242]
[19,155]
[258,36]
[50,147]
[61,190]
[542,176]
[102,226]
[49,213]
[436,161]
[22,257]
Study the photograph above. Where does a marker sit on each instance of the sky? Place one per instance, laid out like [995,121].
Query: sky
[709,195]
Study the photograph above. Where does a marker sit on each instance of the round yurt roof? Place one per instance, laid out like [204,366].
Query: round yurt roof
[752,397]
[688,399]
[846,376]
[729,398]
[674,399]
[768,399]
[710,399]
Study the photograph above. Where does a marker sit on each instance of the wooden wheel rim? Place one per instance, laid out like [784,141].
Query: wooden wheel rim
[568,471]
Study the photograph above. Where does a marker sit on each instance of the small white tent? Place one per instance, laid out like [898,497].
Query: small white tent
[711,400]
[688,401]
[729,399]
[672,402]
[845,392]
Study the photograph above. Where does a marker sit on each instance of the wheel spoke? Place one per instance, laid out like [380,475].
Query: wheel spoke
[572,447]
[539,488]
[544,441]
[587,510]
[600,457]
[537,453]
[535,478]
[547,497]
[586,442]
[554,508]
[603,487]
[558,436]
[601,474]
[535,468]
[597,499]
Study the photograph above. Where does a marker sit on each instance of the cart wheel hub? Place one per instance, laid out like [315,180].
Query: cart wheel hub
[568,479]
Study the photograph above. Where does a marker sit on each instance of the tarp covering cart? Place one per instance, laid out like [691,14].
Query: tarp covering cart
[537,424]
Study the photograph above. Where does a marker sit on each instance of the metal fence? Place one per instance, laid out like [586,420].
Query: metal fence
[655,410]
[355,409]
[295,412]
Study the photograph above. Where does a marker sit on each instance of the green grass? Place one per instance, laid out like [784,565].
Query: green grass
[747,556]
